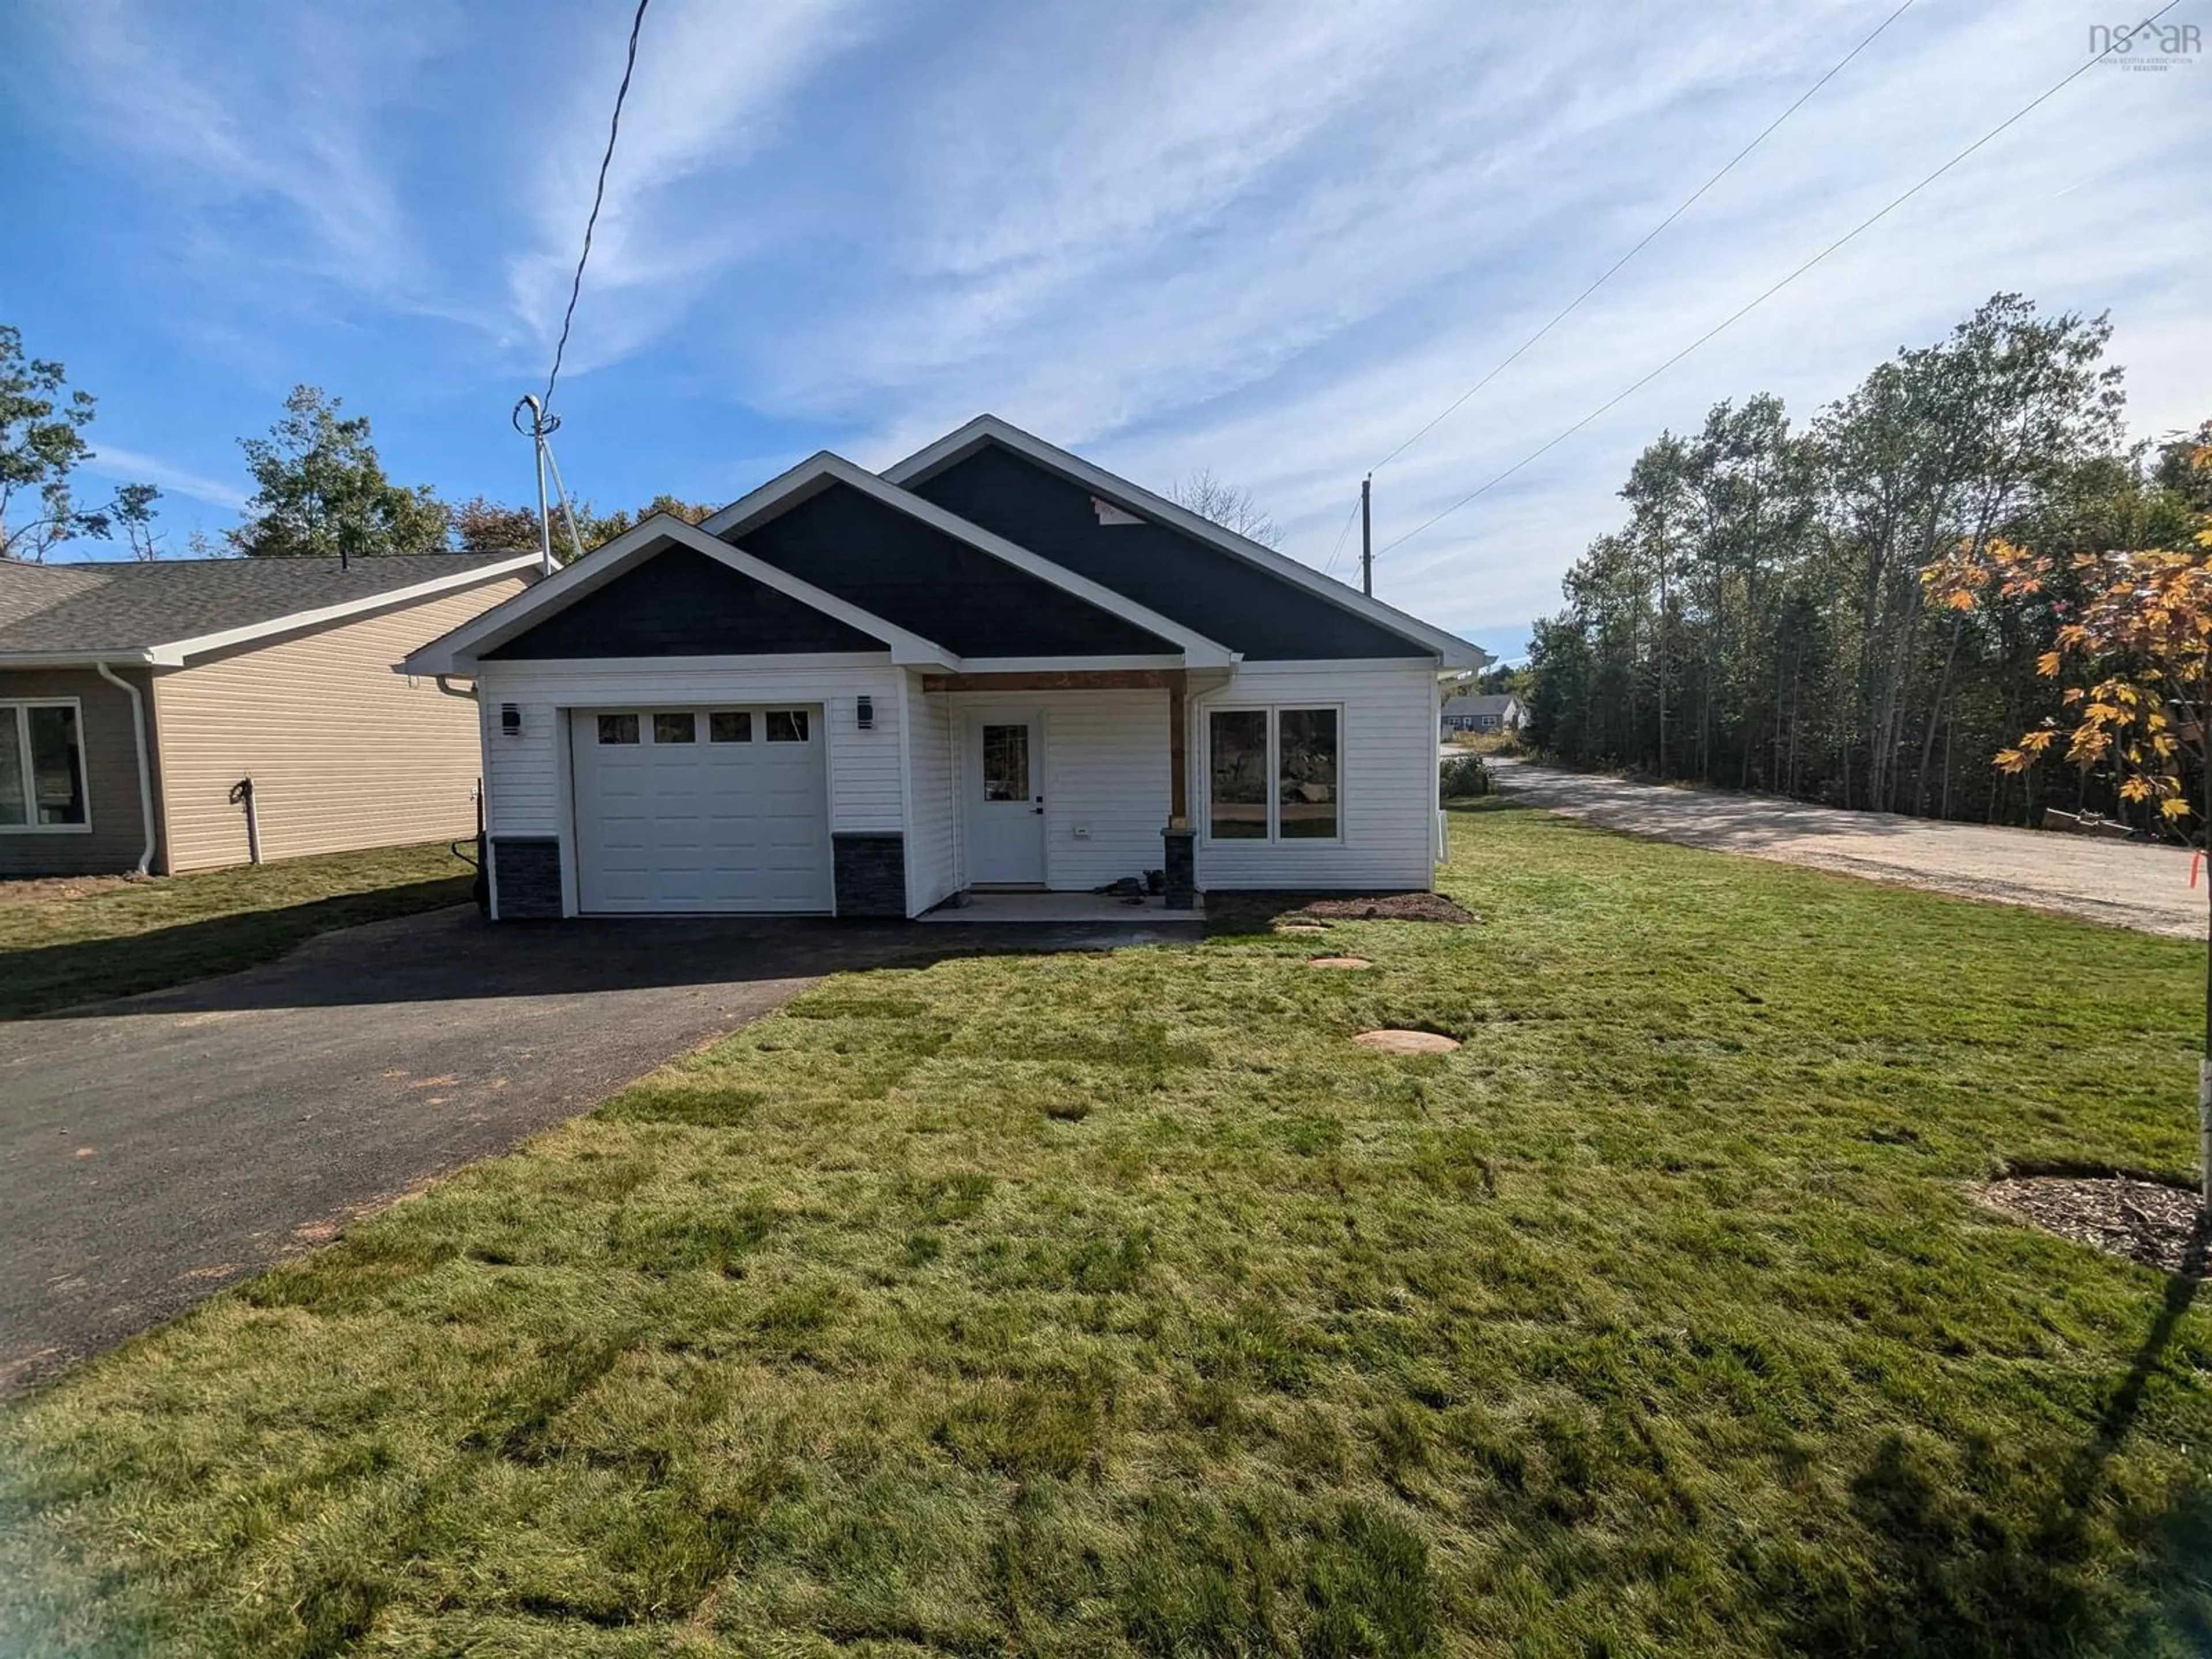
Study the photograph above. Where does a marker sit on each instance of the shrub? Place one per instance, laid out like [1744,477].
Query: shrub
[1462,776]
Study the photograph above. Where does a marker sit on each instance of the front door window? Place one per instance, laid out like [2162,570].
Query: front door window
[1005,763]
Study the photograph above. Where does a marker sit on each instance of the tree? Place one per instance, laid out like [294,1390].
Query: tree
[42,442]
[2136,632]
[1229,506]
[322,493]
[483,526]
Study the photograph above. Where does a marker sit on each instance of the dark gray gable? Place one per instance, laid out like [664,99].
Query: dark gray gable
[1183,578]
[921,579]
[679,603]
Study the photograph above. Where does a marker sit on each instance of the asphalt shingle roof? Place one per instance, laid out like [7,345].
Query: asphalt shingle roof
[129,606]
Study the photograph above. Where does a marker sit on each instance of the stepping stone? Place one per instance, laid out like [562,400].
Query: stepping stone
[1302,928]
[1407,1042]
[1338,962]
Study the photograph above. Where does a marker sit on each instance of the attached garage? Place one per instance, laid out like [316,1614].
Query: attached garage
[711,808]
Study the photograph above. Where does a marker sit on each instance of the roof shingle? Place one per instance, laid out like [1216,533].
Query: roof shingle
[129,606]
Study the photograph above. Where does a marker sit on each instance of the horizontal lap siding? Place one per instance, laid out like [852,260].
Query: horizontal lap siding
[344,752]
[1106,770]
[930,838]
[1388,746]
[524,773]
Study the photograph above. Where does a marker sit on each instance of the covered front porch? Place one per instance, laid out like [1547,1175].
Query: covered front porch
[1055,783]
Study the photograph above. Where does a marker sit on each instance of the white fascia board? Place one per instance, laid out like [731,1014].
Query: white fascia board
[458,650]
[173,654]
[825,468]
[1452,651]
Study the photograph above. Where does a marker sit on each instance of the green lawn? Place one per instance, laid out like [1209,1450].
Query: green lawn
[58,948]
[1120,1304]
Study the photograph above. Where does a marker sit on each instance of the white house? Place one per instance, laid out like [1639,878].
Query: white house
[993,666]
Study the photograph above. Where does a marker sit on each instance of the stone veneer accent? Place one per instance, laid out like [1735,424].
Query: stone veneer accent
[1181,869]
[870,873]
[526,871]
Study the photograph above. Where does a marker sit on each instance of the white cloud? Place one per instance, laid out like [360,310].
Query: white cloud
[135,466]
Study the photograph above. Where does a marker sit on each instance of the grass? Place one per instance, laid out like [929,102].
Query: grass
[63,942]
[1119,1304]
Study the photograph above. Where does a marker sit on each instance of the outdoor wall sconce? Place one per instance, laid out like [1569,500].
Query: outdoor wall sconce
[510,720]
[864,713]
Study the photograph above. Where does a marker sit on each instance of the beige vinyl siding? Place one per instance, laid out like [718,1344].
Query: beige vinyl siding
[343,753]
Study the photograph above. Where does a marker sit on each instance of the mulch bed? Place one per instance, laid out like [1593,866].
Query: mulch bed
[2145,1221]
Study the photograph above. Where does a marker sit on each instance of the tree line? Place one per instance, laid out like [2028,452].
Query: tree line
[1762,618]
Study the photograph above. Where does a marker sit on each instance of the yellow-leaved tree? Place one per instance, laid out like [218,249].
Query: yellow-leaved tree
[2135,634]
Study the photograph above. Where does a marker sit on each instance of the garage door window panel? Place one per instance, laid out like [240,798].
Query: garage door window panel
[679,727]
[786,726]
[730,726]
[617,728]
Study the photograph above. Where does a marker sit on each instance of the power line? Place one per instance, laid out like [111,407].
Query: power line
[1575,303]
[1340,535]
[599,195]
[1737,315]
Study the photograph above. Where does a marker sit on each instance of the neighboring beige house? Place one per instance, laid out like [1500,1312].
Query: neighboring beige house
[136,700]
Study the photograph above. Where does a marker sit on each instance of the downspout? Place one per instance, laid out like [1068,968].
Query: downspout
[145,764]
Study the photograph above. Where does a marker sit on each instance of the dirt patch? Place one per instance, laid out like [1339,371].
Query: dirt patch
[52,889]
[1390,1041]
[1388,907]
[2145,1221]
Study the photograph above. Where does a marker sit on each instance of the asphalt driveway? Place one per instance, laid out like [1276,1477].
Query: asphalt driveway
[154,1149]
[2123,883]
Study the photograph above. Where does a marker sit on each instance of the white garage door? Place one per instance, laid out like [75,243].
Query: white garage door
[700,809]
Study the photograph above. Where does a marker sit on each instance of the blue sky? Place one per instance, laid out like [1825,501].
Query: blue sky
[1267,240]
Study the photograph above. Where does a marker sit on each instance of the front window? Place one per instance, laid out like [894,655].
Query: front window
[41,767]
[1305,774]
[1237,802]
[1274,774]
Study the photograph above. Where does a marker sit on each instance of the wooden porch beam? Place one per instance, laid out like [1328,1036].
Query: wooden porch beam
[1073,680]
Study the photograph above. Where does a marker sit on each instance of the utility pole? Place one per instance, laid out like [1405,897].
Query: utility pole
[1366,537]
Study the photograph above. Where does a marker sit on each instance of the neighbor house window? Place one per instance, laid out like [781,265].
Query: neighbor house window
[1274,774]
[617,728]
[682,727]
[786,726]
[42,767]
[730,726]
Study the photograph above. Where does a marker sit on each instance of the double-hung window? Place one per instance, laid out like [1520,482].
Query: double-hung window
[1275,774]
[42,767]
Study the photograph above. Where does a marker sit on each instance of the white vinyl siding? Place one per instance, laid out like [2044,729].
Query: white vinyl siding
[524,773]
[933,847]
[343,753]
[1388,772]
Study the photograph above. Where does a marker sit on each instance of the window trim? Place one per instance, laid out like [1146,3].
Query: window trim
[18,709]
[1274,711]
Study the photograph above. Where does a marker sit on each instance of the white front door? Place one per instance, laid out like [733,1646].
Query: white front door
[1005,799]
[700,809]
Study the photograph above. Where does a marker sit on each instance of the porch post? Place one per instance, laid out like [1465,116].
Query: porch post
[1180,840]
